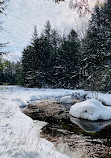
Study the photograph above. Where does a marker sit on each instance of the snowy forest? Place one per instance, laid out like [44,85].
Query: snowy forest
[55,61]
[55,79]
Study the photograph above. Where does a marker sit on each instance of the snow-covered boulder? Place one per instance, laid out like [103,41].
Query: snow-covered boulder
[105,98]
[91,109]
[76,95]
[20,102]
[34,98]
[102,97]
[79,96]
[66,100]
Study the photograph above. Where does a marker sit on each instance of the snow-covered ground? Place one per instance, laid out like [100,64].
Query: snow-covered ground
[19,134]
[22,96]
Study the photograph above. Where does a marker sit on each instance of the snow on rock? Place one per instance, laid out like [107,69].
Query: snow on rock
[66,100]
[20,102]
[18,135]
[79,96]
[34,98]
[91,109]
[102,97]
[105,98]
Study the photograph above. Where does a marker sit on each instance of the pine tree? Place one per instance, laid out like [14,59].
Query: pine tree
[68,61]
[50,61]
[97,45]
[46,49]
[26,66]
[36,59]
[55,44]
[35,34]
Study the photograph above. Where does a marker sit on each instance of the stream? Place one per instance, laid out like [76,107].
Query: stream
[76,138]
[80,138]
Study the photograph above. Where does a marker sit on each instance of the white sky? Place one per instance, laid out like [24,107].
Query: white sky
[23,15]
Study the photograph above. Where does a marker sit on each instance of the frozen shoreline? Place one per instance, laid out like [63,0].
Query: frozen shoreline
[18,135]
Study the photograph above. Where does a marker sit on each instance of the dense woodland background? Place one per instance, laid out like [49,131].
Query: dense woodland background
[56,61]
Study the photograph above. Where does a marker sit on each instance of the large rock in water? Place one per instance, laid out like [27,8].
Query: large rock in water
[91,109]
[48,111]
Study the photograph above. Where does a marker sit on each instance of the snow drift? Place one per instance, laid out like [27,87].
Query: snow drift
[66,100]
[34,98]
[18,136]
[91,109]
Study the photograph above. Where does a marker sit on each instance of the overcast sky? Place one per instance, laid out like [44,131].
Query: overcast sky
[23,15]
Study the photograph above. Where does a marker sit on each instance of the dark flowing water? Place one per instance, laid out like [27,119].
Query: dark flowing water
[80,138]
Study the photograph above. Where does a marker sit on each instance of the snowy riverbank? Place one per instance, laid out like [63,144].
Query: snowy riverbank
[19,135]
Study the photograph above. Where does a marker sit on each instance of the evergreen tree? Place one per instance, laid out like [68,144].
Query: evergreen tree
[68,61]
[97,45]
[10,73]
[35,59]
[50,61]
[27,67]
[18,73]
[55,44]
[35,34]
[47,51]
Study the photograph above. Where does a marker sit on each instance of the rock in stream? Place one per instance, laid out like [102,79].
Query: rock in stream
[71,135]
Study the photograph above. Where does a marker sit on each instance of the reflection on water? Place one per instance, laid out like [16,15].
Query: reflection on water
[90,126]
[87,125]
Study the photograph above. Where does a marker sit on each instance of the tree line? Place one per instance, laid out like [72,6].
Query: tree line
[68,62]
[51,61]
